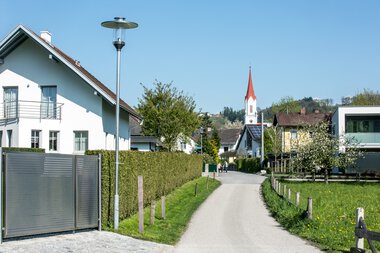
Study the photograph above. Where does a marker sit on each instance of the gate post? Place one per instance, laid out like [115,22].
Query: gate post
[1,195]
[100,191]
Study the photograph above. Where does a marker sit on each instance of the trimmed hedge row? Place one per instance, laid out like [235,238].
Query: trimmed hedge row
[15,149]
[162,172]
[250,165]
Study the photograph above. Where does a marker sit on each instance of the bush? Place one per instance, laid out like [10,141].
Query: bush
[162,172]
[15,149]
[250,165]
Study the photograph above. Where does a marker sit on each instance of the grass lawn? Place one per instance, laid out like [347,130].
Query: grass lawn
[334,207]
[180,206]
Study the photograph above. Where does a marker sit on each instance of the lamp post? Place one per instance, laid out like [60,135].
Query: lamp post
[119,25]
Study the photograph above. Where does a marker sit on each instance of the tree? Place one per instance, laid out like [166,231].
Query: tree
[210,144]
[233,115]
[272,141]
[168,114]
[367,97]
[286,104]
[322,150]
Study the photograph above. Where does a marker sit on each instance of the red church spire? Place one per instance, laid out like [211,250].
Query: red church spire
[250,90]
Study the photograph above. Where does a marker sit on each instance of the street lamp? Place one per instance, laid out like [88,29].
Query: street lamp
[119,25]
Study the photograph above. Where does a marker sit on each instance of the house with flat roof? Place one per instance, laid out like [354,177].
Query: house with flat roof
[360,124]
[50,101]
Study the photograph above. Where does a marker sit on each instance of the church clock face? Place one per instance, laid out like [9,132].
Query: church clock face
[250,121]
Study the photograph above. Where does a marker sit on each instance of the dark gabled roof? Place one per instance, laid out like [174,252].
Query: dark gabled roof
[22,33]
[252,129]
[255,131]
[283,119]
[229,136]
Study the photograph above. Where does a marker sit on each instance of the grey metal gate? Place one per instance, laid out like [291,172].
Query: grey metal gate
[46,193]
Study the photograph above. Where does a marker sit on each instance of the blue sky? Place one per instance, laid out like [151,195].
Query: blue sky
[298,48]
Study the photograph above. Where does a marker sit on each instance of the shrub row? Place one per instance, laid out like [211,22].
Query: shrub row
[162,172]
[15,149]
[250,165]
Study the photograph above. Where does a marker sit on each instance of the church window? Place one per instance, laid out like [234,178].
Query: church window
[250,108]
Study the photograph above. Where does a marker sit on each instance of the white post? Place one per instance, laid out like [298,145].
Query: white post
[297,199]
[359,214]
[310,208]
[289,195]
[163,207]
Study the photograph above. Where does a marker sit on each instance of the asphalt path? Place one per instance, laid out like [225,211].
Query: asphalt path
[235,219]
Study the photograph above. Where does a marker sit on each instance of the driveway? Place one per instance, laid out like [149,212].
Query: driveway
[234,219]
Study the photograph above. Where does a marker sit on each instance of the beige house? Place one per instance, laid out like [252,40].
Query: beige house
[292,127]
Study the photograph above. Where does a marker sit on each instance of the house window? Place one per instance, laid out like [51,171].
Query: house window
[49,102]
[80,141]
[293,134]
[35,139]
[9,133]
[53,140]
[225,149]
[183,146]
[10,102]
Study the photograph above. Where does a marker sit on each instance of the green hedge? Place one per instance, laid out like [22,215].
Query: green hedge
[162,172]
[250,165]
[14,149]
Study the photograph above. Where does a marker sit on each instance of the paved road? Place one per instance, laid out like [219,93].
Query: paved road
[234,219]
[83,242]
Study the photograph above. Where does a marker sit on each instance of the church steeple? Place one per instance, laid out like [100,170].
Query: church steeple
[250,90]
[250,102]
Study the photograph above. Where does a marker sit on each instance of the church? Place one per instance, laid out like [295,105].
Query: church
[249,142]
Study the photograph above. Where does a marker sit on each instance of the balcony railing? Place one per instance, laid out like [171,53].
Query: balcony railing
[14,110]
[368,138]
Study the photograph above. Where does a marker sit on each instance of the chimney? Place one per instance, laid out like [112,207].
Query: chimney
[303,111]
[46,36]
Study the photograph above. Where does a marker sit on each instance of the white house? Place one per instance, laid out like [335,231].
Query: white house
[363,124]
[50,101]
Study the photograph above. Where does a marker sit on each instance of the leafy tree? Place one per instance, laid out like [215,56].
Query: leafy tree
[272,141]
[367,97]
[210,142]
[168,114]
[322,150]
[286,104]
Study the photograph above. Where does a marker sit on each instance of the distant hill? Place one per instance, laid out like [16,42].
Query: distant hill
[310,104]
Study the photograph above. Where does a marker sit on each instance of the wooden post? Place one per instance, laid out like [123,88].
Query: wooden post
[297,199]
[152,212]
[140,197]
[207,182]
[289,195]
[309,208]
[213,174]
[163,207]
[359,214]
[196,189]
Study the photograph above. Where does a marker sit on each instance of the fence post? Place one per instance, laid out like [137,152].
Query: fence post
[309,211]
[207,182]
[140,197]
[279,188]
[152,212]
[196,189]
[284,193]
[359,214]
[297,199]
[289,195]
[163,207]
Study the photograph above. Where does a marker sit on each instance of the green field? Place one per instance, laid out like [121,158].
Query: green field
[180,206]
[334,207]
